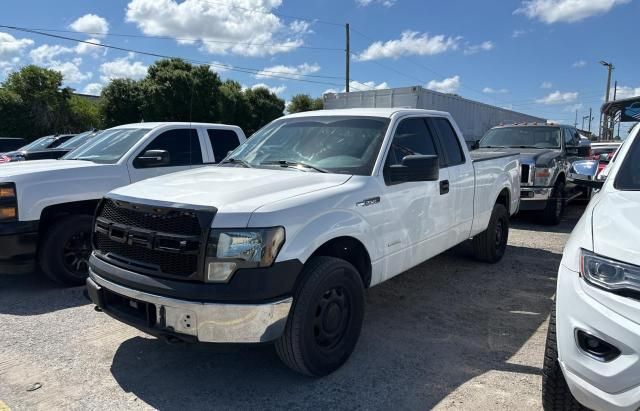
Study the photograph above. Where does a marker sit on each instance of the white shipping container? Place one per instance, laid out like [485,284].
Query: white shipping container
[473,118]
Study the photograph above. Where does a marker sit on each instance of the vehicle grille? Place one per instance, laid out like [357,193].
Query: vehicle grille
[524,174]
[151,240]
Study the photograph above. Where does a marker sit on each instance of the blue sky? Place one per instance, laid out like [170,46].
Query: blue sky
[535,56]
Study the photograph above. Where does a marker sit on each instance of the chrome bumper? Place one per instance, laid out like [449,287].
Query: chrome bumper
[207,322]
[535,193]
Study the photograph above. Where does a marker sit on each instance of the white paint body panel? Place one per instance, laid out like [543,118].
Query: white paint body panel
[43,183]
[610,227]
[411,223]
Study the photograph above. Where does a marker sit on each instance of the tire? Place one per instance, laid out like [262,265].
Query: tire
[555,391]
[324,325]
[553,212]
[65,249]
[490,245]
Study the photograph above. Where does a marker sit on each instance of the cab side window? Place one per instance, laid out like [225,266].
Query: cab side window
[182,145]
[569,137]
[412,137]
[222,142]
[449,140]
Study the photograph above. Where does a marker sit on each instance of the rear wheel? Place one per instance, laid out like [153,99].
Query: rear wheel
[555,391]
[490,245]
[552,213]
[324,325]
[65,250]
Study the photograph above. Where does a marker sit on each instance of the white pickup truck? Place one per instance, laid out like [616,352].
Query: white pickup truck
[47,206]
[281,239]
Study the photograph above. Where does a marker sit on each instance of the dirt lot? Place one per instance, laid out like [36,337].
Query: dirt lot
[451,333]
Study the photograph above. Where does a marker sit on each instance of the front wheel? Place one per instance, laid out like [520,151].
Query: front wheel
[552,214]
[490,245]
[324,325]
[65,250]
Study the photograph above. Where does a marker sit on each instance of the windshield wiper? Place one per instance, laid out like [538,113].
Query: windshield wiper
[294,164]
[237,161]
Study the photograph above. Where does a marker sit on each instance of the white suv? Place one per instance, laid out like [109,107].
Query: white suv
[592,357]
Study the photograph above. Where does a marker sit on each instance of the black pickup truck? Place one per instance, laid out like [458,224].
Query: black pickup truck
[546,154]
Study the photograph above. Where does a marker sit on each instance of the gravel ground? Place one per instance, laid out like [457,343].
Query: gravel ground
[450,333]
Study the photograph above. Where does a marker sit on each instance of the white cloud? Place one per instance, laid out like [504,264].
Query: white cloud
[579,64]
[123,67]
[386,3]
[489,90]
[218,67]
[71,70]
[86,48]
[626,92]
[93,89]
[476,48]
[546,84]
[274,89]
[45,54]
[410,43]
[367,85]
[294,72]
[49,56]
[518,33]
[221,27]
[448,85]
[90,23]
[558,97]
[569,11]
[11,46]
[572,108]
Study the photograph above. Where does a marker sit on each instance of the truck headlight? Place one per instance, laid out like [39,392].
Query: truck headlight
[543,176]
[231,249]
[609,274]
[8,202]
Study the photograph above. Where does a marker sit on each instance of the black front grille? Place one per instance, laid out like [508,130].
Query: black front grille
[524,174]
[157,241]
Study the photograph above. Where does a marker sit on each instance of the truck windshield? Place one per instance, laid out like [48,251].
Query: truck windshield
[341,145]
[109,146]
[39,144]
[522,137]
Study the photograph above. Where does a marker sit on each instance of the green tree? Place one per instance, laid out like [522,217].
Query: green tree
[234,105]
[304,102]
[11,114]
[121,102]
[175,90]
[265,107]
[85,114]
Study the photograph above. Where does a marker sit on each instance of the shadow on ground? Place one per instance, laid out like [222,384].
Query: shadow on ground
[33,294]
[426,332]
[532,221]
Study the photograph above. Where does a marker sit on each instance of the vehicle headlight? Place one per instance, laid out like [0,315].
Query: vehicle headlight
[8,202]
[230,249]
[609,274]
[543,176]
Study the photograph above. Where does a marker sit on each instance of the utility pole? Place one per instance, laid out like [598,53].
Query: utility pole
[583,119]
[590,118]
[348,57]
[575,124]
[605,123]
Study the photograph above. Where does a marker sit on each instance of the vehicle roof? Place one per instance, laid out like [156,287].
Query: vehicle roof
[368,112]
[11,138]
[532,125]
[605,143]
[157,124]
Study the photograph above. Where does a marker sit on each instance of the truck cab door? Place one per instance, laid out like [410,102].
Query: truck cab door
[169,152]
[461,179]
[418,212]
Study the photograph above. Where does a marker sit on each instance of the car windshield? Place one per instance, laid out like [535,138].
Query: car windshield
[109,146]
[628,178]
[78,140]
[342,145]
[522,137]
[39,144]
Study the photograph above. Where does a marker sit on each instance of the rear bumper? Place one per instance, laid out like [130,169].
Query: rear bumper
[534,198]
[18,247]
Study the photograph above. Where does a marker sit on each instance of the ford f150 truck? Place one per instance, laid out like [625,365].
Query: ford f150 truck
[47,206]
[280,241]
[546,152]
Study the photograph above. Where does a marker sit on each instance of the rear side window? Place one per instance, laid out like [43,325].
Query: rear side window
[222,142]
[628,178]
[182,144]
[412,137]
[449,140]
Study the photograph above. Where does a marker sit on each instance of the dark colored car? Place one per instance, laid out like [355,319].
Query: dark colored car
[62,149]
[546,154]
[11,144]
[32,151]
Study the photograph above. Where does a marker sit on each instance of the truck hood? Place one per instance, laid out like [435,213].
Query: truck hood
[229,189]
[52,168]
[615,226]
[541,157]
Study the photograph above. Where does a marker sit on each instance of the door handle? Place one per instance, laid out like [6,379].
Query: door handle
[444,187]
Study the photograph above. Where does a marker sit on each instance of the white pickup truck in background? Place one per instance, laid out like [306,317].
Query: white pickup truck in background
[47,206]
[279,242]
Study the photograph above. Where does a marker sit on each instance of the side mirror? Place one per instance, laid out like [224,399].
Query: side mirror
[583,173]
[153,158]
[415,168]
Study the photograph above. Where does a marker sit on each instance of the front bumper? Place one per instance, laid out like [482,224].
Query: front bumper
[599,385]
[18,247]
[186,320]
[534,198]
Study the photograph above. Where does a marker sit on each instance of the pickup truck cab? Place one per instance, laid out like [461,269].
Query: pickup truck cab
[592,356]
[280,241]
[546,153]
[47,206]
